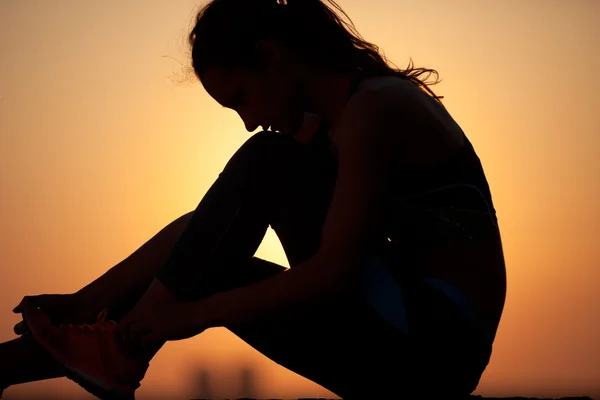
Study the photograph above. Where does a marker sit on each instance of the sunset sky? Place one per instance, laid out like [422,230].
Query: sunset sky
[105,139]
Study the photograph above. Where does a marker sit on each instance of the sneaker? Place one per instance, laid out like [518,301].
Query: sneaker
[29,362]
[90,353]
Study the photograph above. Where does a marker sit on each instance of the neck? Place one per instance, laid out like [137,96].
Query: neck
[327,94]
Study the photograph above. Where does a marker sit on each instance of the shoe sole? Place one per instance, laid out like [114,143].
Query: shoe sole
[92,385]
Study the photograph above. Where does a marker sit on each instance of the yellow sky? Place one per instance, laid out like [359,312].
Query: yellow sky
[100,147]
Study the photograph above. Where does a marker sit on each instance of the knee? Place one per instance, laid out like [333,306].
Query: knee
[268,144]
[263,151]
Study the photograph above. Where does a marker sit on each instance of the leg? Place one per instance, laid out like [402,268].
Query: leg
[301,180]
[228,225]
[24,360]
[273,181]
[345,347]
[216,247]
[342,347]
[121,287]
[348,347]
[296,183]
[215,250]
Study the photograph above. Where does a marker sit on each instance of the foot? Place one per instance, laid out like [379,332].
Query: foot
[24,360]
[90,354]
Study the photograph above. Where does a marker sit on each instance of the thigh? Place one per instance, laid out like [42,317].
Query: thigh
[344,346]
[449,345]
[384,340]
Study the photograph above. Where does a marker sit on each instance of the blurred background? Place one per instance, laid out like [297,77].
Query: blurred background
[105,139]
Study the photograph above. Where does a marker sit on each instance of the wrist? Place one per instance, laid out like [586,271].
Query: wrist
[88,303]
[205,313]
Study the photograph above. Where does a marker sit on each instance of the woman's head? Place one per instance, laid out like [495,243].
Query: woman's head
[252,55]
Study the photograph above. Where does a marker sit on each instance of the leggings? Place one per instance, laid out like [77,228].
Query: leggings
[380,341]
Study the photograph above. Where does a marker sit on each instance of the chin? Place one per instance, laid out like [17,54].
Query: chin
[283,130]
[288,126]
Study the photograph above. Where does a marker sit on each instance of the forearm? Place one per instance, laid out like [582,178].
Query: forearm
[312,283]
[133,275]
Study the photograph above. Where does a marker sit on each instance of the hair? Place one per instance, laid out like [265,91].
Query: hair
[226,31]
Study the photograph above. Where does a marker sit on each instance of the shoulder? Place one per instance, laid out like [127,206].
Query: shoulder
[397,115]
[389,92]
[378,105]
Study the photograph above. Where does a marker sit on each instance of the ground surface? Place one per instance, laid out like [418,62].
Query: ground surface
[471,398]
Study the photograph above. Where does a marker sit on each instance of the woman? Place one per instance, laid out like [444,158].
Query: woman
[397,282]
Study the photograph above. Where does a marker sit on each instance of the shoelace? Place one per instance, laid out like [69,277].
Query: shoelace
[100,321]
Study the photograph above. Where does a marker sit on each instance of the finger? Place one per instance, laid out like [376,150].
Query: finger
[19,308]
[124,325]
[29,301]
[139,329]
[123,330]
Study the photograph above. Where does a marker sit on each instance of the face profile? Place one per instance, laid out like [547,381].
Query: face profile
[268,96]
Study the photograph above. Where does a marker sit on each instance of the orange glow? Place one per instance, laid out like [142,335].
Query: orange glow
[100,148]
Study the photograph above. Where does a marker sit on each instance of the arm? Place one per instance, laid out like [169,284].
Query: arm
[131,277]
[365,157]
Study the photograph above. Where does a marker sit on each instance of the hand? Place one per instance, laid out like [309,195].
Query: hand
[61,308]
[159,322]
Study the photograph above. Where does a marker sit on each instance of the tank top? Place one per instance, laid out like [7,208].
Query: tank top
[451,201]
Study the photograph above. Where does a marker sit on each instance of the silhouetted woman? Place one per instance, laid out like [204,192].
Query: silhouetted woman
[398,280]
